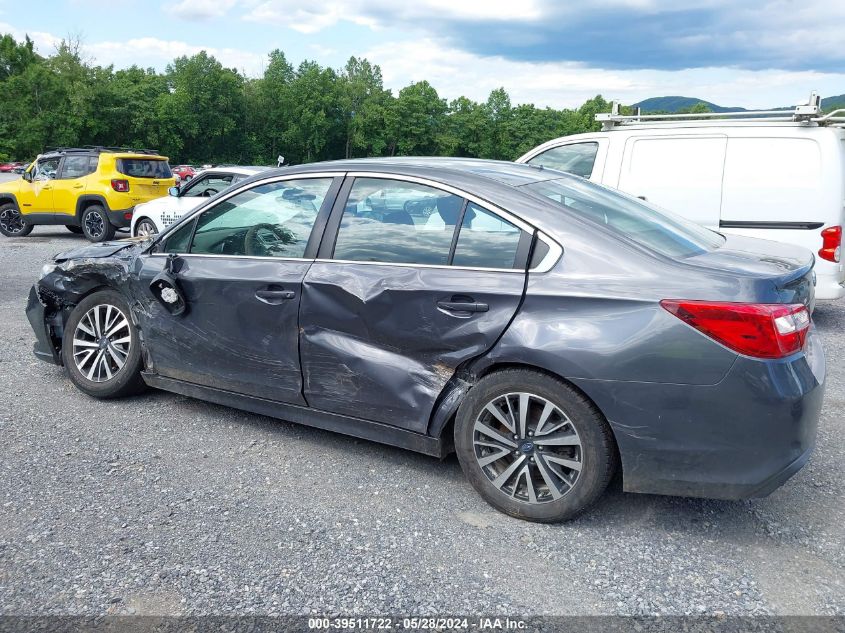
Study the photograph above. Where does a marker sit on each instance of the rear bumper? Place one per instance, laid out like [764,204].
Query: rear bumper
[740,438]
[43,347]
[118,217]
[829,286]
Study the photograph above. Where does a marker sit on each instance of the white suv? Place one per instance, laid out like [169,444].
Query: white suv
[153,217]
[774,175]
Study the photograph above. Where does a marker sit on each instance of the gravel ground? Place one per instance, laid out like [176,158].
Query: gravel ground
[161,504]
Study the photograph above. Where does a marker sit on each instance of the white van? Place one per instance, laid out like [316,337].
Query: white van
[775,175]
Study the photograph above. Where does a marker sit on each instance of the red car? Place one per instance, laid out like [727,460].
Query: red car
[183,172]
[9,167]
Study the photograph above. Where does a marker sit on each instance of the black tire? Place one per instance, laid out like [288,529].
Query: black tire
[596,450]
[74,229]
[95,224]
[151,228]
[125,380]
[11,222]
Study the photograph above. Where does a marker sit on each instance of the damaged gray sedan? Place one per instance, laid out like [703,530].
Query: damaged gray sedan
[545,329]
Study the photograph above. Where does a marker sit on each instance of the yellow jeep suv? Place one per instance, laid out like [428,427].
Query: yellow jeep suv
[90,190]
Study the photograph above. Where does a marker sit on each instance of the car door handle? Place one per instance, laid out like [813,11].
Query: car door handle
[274,296]
[463,306]
[79,186]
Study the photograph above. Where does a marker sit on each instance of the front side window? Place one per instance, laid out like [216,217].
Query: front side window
[46,169]
[486,240]
[180,239]
[397,222]
[207,186]
[576,158]
[269,220]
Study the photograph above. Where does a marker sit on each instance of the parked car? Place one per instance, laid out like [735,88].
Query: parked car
[777,175]
[156,215]
[184,173]
[544,328]
[10,167]
[92,191]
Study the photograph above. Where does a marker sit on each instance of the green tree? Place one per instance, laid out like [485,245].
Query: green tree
[417,120]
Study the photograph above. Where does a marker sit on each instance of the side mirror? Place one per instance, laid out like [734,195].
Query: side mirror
[27,175]
[173,191]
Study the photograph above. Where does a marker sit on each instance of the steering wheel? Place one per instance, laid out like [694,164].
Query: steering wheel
[252,246]
[207,193]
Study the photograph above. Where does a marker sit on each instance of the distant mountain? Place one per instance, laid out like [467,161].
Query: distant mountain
[830,103]
[674,104]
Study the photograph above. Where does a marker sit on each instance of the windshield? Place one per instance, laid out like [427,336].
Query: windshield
[144,168]
[656,229]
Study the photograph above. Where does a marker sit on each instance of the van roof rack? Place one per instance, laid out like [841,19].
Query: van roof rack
[103,148]
[808,113]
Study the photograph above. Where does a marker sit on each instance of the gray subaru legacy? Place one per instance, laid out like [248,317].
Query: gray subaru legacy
[545,329]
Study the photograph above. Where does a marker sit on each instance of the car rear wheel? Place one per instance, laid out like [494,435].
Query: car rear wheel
[145,228]
[74,229]
[95,224]
[11,222]
[101,348]
[532,446]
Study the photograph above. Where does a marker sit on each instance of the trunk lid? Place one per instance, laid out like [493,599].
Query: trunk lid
[149,176]
[788,267]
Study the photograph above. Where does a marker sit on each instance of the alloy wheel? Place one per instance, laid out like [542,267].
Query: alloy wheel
[11,221]
[527,447]
[145,228]
[94,225]
[101,342]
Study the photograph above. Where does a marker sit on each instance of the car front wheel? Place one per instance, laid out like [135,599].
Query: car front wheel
[11,222]
[95,224]
[101,348]
[533,446]
[145,228]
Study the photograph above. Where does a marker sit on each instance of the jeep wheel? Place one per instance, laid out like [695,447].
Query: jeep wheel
[95,224]
[11,222]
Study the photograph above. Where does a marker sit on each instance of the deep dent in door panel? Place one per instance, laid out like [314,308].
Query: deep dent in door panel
[348,359]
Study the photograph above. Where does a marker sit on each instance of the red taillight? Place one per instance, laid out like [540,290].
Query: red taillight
[831,244]
[120,185]
[763,330]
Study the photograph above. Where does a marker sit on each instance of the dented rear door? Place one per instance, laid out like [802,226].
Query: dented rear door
[399,299]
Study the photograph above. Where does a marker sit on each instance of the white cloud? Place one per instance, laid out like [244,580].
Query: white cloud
[45,43]
[151,51]
[310,17]
[561,84]
[200,9]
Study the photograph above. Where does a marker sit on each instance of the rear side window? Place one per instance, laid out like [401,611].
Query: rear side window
[78,166]
[144,168]
[397,222]
[486,240]
[576,158]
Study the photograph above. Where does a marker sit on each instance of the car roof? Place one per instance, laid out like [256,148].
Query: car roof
[437,168]
[246,170]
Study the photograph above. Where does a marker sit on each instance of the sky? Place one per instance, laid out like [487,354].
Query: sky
[749,53]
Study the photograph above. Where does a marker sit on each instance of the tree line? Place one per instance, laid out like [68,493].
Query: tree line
[199,111]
